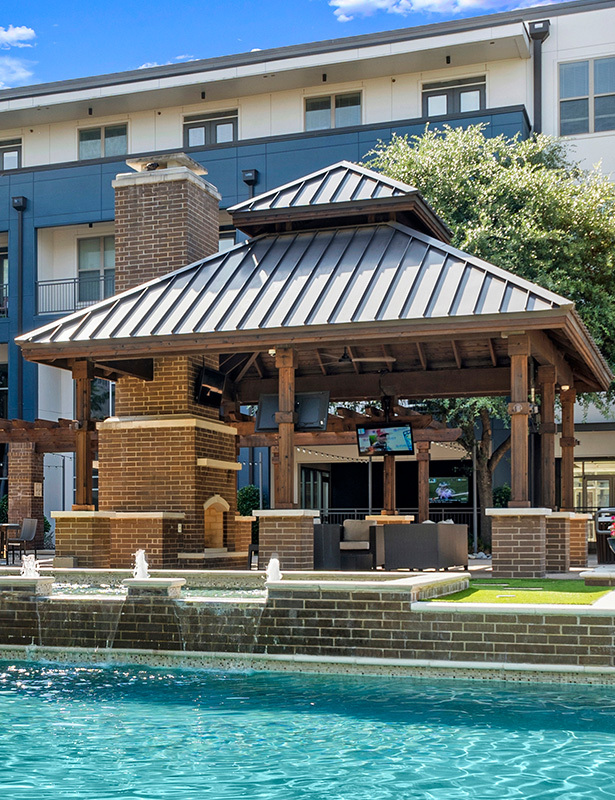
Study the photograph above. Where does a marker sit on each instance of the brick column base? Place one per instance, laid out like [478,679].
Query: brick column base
[289,532]
[579,524]
[84,536]
[155,532]
[518,542]
[558,542]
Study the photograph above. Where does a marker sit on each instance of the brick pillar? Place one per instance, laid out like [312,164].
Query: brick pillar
[558,542]
[579,524]
[519,542]
[26,485]
[289,533]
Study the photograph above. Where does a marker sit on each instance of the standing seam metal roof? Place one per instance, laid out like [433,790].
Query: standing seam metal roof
[360,274]
[338,183]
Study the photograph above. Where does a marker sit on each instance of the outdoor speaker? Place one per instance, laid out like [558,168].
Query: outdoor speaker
[209,387]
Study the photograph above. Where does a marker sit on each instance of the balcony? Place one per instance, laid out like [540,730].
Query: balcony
[69,294]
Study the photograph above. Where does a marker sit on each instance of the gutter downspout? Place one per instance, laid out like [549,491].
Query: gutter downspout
[19,204]
[539,31]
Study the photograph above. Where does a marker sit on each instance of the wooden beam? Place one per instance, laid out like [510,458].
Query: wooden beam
[457,354]
[323,369]
[371,386]
[421,354]
[142,368]
[519,409]
[355,364]
[258,365]
[546,382]
[390,501]
[247,366]
[546,353]
[492,353]
[422,457]
[567,443]
[83,372]
[248,438]
[386,352]
[286,362]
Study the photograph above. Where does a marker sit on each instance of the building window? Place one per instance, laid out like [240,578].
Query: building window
[96,265]
[112,140]
[10,154]
[4,391]
[333,111]
[202,130]
[454,97]
[587,96]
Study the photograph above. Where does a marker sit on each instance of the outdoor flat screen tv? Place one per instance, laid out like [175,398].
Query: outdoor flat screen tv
[449,490]
[377,440]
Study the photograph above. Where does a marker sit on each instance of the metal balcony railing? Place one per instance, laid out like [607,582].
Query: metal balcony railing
[4,299]
[69,294]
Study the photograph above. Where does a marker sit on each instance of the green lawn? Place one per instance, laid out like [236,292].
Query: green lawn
[534,591]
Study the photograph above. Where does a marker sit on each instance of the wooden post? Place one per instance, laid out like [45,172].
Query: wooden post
[519,410]
[546,382]
[83,373]
[422,457]
[390,502]
[285,361]
[567,443]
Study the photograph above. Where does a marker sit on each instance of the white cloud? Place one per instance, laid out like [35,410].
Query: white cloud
[16,36]
[345,10]
[14,71]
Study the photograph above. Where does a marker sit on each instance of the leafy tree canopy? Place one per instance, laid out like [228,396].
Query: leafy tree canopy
[522,205]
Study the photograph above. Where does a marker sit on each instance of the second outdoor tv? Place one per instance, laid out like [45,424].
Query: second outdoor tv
[376,440]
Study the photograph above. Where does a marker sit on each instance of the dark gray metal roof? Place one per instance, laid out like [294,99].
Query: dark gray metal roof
[339,183]
[359,274]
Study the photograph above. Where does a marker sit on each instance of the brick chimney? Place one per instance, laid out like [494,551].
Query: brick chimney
[166,216]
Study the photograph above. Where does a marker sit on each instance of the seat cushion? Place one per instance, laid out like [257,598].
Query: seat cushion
[354,545]
[356,530]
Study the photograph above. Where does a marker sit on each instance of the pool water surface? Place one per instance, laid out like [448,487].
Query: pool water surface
[108,733]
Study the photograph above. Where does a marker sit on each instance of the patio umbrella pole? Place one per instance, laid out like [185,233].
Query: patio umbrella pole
[475,501]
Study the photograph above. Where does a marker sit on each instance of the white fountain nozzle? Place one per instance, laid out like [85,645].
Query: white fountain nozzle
[29,567]
[273,568]
[140,571]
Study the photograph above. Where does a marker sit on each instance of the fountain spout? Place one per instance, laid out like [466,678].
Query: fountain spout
[273,568]
[140,571]
[29,567]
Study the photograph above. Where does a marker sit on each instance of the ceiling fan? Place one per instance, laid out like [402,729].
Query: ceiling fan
[346,358]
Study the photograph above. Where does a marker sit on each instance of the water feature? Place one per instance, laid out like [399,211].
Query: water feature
[273,568]
[140,571]
[29,567]
[104,733]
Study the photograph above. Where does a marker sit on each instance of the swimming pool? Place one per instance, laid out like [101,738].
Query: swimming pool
[109,733]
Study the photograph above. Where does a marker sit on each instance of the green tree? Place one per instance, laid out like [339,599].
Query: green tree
[525,206]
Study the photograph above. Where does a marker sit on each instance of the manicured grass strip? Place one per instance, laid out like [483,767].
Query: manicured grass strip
[532,591]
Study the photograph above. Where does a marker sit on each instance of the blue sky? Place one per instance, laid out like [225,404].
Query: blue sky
[51,41]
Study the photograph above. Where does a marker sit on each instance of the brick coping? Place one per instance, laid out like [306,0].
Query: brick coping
[514,608]
[518,512]
[392,585]
[164,421]
[570,515]
[118,514]
[167,175]
[286,512]
[359,665]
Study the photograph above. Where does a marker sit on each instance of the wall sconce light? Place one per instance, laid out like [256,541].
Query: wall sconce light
[272,352]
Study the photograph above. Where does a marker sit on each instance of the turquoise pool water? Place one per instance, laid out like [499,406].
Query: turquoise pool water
[111,733]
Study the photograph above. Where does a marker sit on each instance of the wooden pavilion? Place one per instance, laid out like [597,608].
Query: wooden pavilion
[348,284]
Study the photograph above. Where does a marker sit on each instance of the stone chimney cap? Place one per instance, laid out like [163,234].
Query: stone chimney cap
[164,160]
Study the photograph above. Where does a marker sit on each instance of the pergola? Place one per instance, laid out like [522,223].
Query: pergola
[348,284]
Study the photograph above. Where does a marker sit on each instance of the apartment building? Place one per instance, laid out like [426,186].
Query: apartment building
[255,121]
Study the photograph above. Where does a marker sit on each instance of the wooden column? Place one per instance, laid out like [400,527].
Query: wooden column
[390,502]
[567,443]
[286,363]
[422,457]
[548,428]
[519,410]
[83,373]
